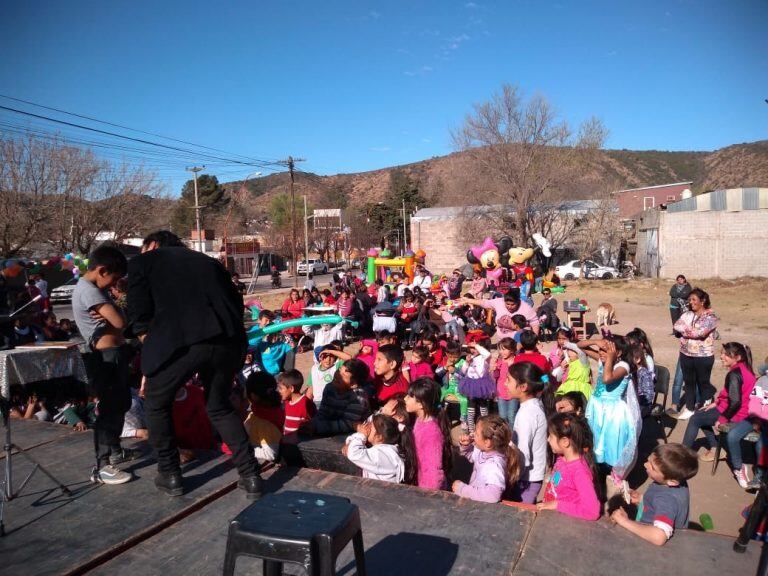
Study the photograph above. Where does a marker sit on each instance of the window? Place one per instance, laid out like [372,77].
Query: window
[649,202]
[671,198]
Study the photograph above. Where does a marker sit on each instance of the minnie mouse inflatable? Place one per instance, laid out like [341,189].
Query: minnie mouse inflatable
[491,258]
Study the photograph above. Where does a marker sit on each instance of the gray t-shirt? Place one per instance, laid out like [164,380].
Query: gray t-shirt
[85,297]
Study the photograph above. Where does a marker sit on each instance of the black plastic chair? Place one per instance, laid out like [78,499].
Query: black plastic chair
[302,528]
[661,387]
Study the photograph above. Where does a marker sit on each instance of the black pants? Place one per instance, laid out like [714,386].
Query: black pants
[216,363]
[108,380]
[696,376]
[675,314]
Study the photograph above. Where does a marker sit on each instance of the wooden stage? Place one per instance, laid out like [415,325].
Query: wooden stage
[133,529]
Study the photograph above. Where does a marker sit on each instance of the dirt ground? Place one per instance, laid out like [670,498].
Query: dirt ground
[739,304]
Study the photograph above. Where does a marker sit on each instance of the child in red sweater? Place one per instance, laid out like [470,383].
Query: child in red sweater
[298,408]
[389,376]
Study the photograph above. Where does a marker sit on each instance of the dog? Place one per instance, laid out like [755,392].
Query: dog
[606,315]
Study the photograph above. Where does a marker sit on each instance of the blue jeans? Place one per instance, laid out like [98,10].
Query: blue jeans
[677,388]
[702,420]
[735,436]
[508,409]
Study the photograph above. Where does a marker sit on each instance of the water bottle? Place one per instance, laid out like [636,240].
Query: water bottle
[706,522]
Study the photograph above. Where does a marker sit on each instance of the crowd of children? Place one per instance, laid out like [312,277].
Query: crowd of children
[543,429]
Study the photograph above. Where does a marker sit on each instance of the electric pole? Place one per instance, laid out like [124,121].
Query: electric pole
[195,170]
[405,234]
[290,162]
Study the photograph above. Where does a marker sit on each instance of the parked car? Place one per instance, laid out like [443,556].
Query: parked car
[64,292]
[315,267]
[572,270]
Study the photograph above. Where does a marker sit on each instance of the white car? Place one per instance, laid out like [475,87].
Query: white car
[315,267]
[63,293]
[572,270]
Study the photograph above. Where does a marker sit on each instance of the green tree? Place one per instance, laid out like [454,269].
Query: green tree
[212,201]
[383,217]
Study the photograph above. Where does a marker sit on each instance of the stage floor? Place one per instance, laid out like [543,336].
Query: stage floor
[134,529]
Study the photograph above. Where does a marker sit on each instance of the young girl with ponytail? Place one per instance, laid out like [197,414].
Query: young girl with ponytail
[729,411]
[575,483]
[496,461]
[390,458]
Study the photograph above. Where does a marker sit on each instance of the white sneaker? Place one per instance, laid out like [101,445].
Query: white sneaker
[741,477]
[110,475]
[685,414]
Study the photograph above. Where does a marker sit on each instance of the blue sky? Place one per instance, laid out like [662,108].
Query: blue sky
[354,86]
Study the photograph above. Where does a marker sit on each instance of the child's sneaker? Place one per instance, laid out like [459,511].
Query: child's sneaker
[110,475]
[741,477]
[685,414]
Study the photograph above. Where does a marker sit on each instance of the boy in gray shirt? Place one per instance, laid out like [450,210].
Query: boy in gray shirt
[101,324]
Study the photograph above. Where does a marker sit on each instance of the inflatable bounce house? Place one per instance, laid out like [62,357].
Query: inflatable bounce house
[381,265]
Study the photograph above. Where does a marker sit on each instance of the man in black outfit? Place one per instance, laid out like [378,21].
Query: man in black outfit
[186,311]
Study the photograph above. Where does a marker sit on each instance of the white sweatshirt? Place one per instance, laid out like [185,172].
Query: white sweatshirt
[380,462]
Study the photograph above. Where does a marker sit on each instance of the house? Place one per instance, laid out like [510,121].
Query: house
[636,200]
[720,234]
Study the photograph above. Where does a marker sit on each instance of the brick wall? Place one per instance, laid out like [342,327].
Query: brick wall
[443,242]
[714,244]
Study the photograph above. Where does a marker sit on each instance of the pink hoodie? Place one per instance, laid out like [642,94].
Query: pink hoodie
[369,358]
[500,373]
[747,384]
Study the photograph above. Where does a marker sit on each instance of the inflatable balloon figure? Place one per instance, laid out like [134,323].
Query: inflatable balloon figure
[491,258]
[522,275]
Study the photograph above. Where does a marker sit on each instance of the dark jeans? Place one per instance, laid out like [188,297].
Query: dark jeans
[216,363]
[702,420]
[108,381]
[675,314]
[696,375]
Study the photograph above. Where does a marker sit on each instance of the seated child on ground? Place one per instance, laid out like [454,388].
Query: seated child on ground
[368,350]
[321,374]
[665,504]
[571,402]
[575,482]
[323,335]
[135,424]
[496,461]
[384,337]
[389,375]
[272,350]
[390,458]
[298,408]
[345,403]
[419,366]
[265,421]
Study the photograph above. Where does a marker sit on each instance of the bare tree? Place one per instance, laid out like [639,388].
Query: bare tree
[27,179]
[528,159]
[599,230]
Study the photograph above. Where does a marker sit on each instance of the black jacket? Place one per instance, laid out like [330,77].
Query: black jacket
[179,297]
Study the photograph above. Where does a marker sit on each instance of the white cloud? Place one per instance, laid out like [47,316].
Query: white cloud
[373,14]
[427,68]
[426,140]
[402,51]
[380,149]
[470,5]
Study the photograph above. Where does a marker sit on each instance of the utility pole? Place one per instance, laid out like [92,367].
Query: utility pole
[291,162]
[195,170]
[405,234]
[306,237]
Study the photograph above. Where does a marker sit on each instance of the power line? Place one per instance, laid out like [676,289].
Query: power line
[92,119]
[139,140]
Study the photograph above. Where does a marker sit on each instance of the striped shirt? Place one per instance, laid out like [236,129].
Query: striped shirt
[296,412]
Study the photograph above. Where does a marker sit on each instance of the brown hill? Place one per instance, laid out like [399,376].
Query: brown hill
[446,179]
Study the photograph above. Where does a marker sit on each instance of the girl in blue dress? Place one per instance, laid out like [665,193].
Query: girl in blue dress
[613,412]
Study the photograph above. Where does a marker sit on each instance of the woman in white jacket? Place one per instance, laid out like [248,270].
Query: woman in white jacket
[391,456]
